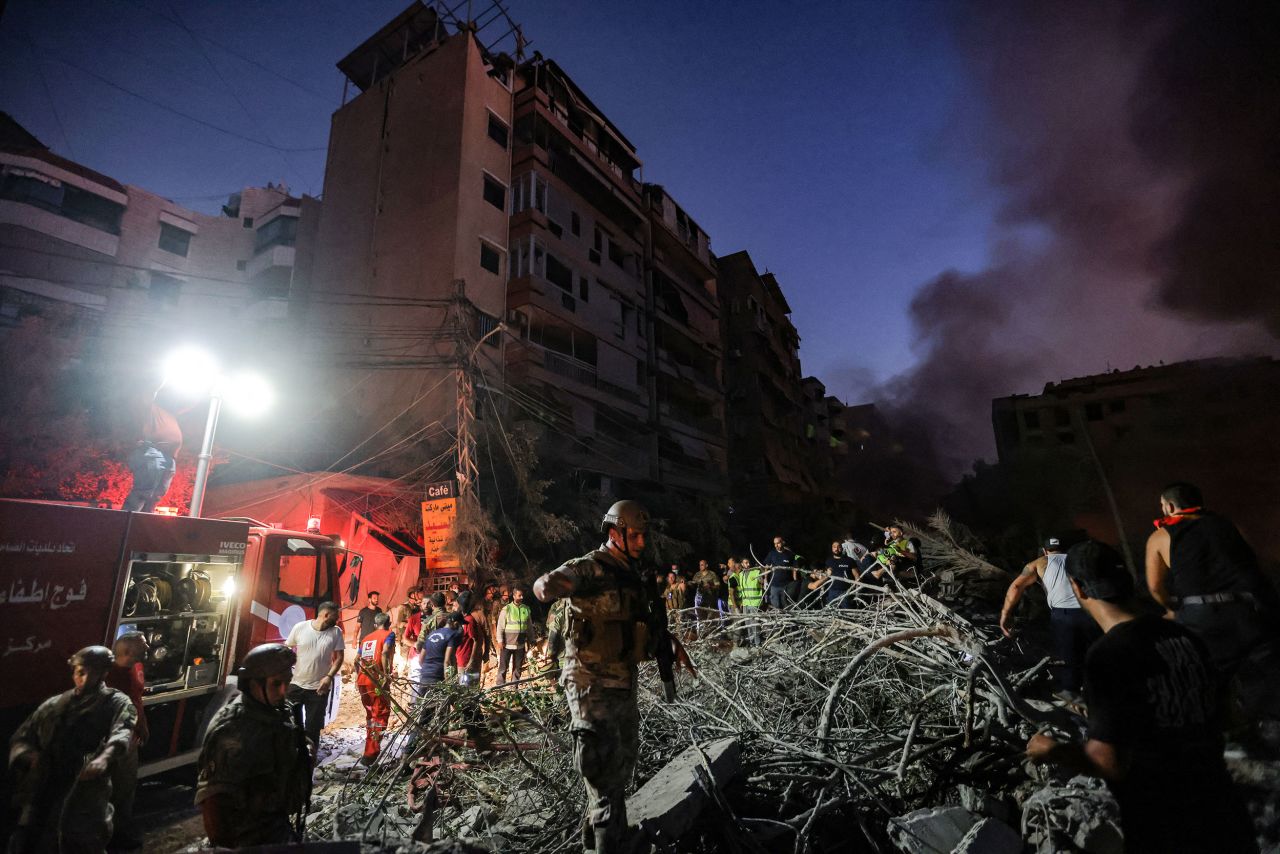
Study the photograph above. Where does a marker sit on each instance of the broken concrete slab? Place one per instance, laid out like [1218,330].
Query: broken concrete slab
[927,831]
[669,803]
[990,836]
[1080,814]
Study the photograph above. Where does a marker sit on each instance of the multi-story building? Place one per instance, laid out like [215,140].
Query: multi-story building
[1211,422]
[77,238]
[770,476]
[457,170]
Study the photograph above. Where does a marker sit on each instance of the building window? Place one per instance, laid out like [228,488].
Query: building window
[575,223]
[554,228]
[241,265]
[1061,417]
[281,231]
[486,323]
[559,273]
[165,289]
[1067,438]
[175,240]
[1031,419]
[490,258]
[1093,411]
[494,193]
[529,191]
[582,289]
[498,131]
[1115,406]
[32,188]
[247,222]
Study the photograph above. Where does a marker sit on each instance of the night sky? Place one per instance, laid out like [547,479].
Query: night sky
[961,200]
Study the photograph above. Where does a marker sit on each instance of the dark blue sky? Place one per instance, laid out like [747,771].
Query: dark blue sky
[828,139]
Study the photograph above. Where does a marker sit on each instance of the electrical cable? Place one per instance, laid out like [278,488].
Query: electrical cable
[166,108]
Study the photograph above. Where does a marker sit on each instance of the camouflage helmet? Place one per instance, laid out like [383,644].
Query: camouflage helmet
[266,660]
[628,515]
[97,658]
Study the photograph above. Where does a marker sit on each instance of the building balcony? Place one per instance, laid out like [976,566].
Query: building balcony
[708,424]
[270,259]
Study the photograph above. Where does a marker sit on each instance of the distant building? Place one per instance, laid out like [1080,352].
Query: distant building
[1213,422]
[75,238]
[769,469]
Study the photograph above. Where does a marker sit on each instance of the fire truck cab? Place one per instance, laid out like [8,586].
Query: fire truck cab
[202,591]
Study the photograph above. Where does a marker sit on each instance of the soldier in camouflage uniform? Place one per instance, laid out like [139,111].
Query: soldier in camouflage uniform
[254,767]
[60,761]
[608,634]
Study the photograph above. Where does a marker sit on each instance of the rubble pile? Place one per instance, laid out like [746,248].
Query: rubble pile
[828,736]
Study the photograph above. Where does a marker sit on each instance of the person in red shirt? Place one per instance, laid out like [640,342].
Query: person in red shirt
[126,675]
[373,664]
[473,646]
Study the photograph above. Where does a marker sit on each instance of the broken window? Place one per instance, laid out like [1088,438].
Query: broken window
[494,193]
[490,258]
[174,239]
[498,130]
[559,273]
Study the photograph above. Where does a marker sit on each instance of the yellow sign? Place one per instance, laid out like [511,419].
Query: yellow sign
[437,526]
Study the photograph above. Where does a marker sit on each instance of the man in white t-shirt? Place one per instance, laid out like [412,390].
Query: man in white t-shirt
[319,646]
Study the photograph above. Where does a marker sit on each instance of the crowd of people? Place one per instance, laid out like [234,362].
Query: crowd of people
[1151,679]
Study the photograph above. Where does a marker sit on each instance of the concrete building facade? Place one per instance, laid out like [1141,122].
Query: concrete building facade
[458,171]
[770,473]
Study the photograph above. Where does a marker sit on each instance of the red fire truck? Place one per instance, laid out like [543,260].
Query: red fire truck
[203,592]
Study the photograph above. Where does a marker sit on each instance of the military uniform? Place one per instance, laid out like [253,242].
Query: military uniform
[256,756]
[57,810]
[606,636]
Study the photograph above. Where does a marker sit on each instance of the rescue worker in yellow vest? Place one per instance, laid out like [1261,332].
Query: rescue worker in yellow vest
[613,625]
[751,591]
[514,621]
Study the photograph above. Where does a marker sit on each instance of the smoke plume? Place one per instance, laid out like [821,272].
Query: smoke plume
[1136,145]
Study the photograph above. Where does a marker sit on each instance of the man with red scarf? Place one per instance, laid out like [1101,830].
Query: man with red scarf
[1206,575]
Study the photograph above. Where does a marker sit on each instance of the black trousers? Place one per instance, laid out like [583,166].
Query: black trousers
[309,707]
[1072,631]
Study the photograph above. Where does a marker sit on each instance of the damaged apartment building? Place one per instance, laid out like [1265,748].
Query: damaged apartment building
[457,171]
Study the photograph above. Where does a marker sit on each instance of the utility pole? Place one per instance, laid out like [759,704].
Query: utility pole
[465,471]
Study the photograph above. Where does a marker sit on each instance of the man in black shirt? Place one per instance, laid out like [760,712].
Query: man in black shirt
[366,614]
[843,571]
[783,578]
[1154,720]
[1207,576]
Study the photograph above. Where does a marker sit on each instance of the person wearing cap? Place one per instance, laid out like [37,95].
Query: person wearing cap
[1206,575]
[61,759]
[614,623]
[254,771]
[1071,629]
[1154,731]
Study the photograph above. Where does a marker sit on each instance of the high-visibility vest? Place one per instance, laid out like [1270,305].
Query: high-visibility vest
[750,587]
[517,618]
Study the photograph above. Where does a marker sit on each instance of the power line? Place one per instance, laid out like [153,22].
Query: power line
[231,90]
[328,99]
[173,110]
[48,93]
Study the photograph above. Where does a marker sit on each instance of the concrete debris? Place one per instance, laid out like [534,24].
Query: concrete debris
[667,806]
[810,737]
[1080,815]
[990,836]
[928,831]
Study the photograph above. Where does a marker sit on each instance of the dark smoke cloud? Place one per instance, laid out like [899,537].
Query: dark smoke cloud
[1136,148]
